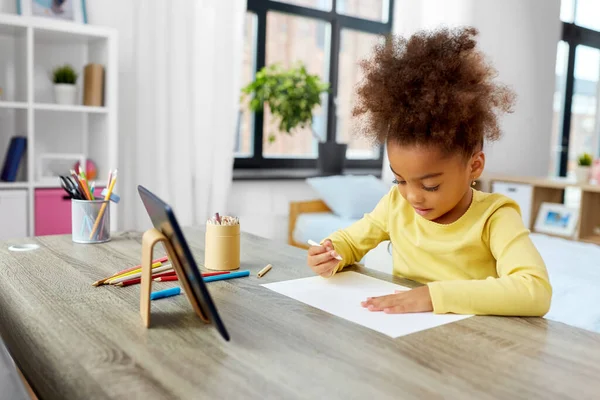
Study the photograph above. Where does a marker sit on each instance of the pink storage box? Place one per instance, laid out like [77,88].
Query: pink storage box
[53,211]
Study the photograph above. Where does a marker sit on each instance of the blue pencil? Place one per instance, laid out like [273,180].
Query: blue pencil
[231,275]
[174,291]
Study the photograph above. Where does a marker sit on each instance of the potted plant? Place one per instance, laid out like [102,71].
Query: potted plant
[64,79]
[582,172]
[292,94]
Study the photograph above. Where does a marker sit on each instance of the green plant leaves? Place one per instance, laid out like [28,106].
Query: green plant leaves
[64,74]
[291,95]
[585,160]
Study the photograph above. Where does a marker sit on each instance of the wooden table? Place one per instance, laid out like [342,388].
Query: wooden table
[75,341]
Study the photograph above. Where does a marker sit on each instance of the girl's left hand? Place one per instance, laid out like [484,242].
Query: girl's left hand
[403,301]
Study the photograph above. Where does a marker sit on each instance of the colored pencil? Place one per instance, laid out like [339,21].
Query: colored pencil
[167,273]
[174,291]
[111,186]
[175,278]
[101,281]
[135,281]
[231,275]
[166,278]
[313,243]
[138,274]
[264,270]
[135,271]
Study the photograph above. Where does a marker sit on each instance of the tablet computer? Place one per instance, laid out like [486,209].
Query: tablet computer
[163,219]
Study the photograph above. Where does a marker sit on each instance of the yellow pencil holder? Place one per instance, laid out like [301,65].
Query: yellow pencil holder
[222,247]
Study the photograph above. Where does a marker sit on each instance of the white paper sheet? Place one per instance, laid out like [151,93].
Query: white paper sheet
[342,294]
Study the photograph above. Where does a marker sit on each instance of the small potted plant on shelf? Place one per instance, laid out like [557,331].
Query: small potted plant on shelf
[582,173]
[64,79]
[292,95]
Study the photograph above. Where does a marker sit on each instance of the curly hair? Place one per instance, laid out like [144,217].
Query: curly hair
[433,89]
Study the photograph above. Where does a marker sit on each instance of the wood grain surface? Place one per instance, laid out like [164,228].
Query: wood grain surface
[75,341]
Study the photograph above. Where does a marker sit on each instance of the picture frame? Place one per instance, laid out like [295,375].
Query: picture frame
[557,219]
[64,10]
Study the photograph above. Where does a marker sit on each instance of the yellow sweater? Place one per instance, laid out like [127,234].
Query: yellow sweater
[483,263]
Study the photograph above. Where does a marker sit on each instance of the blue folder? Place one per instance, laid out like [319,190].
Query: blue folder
[14,155]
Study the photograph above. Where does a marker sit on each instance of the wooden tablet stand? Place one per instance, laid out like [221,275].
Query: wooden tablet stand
[149,240]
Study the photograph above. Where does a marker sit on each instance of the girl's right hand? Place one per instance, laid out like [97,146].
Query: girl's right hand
[322,259]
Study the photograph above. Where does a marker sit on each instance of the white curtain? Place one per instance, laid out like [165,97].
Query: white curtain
[185,82]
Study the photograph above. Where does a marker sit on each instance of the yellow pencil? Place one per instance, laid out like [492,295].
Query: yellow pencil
[135,271]
[106,198]
[264,271]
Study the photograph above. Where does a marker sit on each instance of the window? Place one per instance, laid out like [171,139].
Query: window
[287,46]
[584,104]
[329,37]
[562,55]
[575,128]
[354,45]
[376,10]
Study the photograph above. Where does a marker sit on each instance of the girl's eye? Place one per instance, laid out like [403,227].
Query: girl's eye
[431,189]
[396,182]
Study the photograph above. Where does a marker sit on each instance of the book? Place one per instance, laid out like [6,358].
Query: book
[14,155]
[93,85]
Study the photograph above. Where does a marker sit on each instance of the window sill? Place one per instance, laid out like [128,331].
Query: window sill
[250,174]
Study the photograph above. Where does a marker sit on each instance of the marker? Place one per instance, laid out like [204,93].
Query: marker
[313,243]
[165,293]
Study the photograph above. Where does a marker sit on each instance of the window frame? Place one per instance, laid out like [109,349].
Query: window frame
[337,22]
[574,35]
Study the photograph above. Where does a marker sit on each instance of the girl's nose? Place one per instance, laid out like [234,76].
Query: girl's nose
[415,197]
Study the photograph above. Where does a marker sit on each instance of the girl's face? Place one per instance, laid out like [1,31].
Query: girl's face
[435,184]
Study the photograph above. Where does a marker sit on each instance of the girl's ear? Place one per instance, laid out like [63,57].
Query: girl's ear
[477,164]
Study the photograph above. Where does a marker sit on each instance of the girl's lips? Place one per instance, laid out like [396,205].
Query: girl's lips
[422,211]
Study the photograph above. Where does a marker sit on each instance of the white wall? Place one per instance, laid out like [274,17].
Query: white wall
[119,14]
[520,39]
[263,205]
[8,6]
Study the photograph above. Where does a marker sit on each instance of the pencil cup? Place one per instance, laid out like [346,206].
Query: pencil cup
[84,214]
[222,247]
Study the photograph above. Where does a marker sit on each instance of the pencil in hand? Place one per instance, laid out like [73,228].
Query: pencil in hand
[313,243]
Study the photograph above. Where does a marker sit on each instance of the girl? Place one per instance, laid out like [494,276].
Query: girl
[432,100]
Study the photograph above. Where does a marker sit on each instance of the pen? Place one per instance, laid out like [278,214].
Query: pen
[165,293]
[313,243]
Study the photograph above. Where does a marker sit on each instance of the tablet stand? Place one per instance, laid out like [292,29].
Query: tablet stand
[149,240]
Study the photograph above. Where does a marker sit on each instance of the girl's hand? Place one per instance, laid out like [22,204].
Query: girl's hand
[403,301]
[321,259]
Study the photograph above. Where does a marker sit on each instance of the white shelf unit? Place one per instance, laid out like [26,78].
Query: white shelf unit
[31,48]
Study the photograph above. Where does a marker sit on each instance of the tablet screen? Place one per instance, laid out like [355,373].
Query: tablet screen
[163,219]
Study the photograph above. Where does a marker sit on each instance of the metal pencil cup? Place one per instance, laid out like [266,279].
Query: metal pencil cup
[84,214]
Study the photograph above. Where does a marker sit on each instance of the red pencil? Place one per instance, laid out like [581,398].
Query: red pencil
[215,273]
[166,273]
[166,279]
[174,277]
[101,281]
[135,281]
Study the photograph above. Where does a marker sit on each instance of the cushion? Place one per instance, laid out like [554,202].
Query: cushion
[349,196]
[317,226]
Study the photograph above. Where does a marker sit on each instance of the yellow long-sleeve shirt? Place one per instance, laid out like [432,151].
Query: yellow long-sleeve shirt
[483,263]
